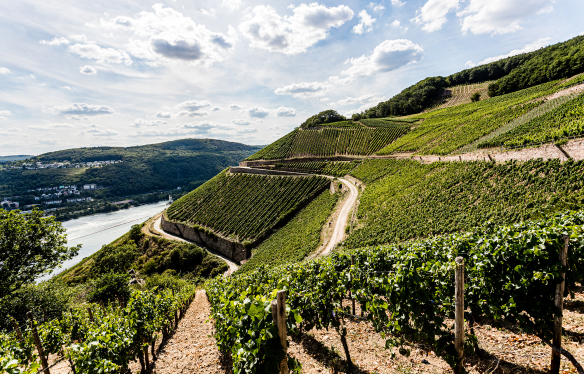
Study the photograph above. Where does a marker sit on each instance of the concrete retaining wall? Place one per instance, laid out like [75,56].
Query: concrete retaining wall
[231,250]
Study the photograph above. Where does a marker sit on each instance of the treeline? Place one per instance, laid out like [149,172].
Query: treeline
[511,74]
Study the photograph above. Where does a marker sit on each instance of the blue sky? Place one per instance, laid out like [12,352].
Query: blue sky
[122,73]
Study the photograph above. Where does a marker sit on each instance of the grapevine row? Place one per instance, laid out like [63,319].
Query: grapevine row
[106,340]
[404,290]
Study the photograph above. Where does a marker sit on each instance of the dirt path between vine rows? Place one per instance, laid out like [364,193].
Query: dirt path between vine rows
[192,348]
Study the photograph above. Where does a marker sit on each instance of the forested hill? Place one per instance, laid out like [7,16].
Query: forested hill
[510,74]
[184,163]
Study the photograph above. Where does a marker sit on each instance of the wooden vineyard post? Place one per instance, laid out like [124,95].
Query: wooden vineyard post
[281,308]
[559,302]
[350,293]
[39,346]
[459,315]
[90,314]
[16,328]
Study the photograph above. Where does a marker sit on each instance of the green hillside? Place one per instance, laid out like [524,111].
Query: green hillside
[243,207]
[183,163]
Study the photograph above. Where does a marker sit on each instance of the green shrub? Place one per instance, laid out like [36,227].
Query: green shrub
[165,281]
[136,233]
[327,116]
[114,258]
[109,287]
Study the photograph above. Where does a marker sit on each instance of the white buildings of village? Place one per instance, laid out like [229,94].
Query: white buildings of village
[65,164]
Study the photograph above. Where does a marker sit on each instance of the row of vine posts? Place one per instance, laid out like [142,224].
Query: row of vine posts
[279,318]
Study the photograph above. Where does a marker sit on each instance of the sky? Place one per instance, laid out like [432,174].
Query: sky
[127,72]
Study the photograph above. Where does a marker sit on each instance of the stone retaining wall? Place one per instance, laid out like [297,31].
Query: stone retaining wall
[231,250]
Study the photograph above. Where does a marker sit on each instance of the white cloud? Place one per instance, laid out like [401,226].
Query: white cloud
[433,14]
[377,8]
[66,88]
[470,64]
[5,113]
[231,4]
[167,35]
[303,89]
[396,24]
[192,105]
[95,52]
[79,38]
[499,16]
[88,70]
[236,107]
[247,131]
[215,109]
[55,41]
[397,3]
[258,112]
[163,114]
[241,122]
[192,108]
[539,43]
[2,119]
[139,122]
[99,131]
[30,76]
[50,126]
[363,99]
[366,23]
[285,112]
[266,29]
[546,10]
[82,109]
[387,56]
[4,70]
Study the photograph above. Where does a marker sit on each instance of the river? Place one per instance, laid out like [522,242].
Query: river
[94,231]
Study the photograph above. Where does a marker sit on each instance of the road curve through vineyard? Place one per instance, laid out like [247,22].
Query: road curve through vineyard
[232,265]
[339,232]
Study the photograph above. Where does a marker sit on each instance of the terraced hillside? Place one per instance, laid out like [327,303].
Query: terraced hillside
[329,140]
[244,207]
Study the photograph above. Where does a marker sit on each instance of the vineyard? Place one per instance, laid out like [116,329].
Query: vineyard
[330,141]
[405,291]
[461,94]
[243,207]
[446,130]
[297,239]
[405,199]
[562,118]
[334,168]
[97,338]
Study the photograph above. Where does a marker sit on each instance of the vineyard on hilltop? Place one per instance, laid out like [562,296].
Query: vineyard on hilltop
[330,141]
[243,207]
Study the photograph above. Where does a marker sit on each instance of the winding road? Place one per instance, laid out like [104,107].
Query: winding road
[336,237]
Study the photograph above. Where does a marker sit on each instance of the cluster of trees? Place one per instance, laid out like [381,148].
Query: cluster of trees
[511,74]
[326,116]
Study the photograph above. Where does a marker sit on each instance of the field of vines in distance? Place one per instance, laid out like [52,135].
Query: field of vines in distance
[328,140]
[405,199]
[242,207]
[443,131]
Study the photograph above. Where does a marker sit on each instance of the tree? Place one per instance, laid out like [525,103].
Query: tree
[30,246]
[475,97]
[326,116]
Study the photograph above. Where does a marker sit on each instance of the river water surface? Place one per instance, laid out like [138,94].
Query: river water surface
[94,231]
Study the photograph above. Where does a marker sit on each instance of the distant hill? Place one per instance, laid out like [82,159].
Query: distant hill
[185,163]
[14,158]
